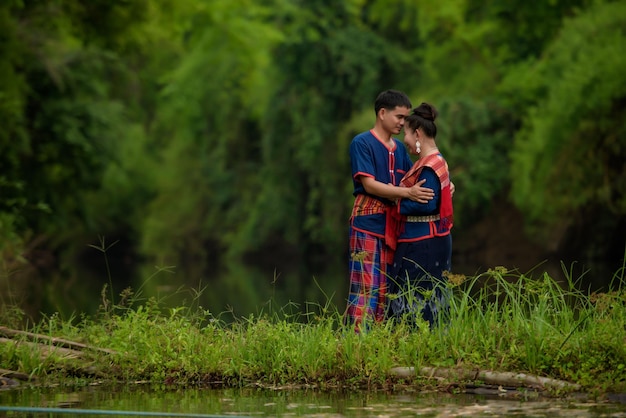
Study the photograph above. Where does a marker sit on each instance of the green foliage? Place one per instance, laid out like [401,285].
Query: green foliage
[203,133]
[476,136]
[568,154]
[500,321]
[211,104]
[66,124]
[328,72]
[13,139]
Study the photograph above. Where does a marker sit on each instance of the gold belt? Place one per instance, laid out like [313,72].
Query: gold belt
[427,218]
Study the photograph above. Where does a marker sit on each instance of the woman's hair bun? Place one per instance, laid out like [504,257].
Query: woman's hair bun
[426,111]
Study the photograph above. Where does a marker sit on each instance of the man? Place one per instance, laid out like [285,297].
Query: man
[379,161]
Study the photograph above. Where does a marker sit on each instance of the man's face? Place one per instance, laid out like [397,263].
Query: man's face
[393,120]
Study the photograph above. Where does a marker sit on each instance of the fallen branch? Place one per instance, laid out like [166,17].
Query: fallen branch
[487,376]
[11,374]
[496,390]
[46,350]
[59,342]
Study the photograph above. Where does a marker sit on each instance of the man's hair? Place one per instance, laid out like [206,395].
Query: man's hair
[390,99]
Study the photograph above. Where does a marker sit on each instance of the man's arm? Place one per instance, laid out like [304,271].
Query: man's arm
[417,192]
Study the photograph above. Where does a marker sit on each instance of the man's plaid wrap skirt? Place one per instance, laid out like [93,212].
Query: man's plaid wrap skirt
[368,279]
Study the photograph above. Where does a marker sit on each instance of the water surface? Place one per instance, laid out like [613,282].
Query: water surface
[145,400]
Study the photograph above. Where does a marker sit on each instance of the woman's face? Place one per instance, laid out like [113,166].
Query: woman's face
[411,140]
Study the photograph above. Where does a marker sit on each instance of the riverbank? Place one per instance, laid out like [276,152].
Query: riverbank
[501,323]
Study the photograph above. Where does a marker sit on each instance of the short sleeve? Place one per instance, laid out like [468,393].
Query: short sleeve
[361,158]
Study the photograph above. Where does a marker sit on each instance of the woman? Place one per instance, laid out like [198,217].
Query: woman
[424,248]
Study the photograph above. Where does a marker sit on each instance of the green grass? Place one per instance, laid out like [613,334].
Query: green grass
[499,320]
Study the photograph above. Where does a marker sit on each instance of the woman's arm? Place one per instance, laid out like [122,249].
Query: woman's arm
[429,179]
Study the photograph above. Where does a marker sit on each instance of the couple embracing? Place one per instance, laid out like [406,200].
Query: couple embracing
[400,242]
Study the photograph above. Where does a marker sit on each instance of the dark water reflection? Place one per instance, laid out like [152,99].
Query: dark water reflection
[141,400]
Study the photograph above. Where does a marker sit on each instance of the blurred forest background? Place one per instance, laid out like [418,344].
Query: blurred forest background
[186,147]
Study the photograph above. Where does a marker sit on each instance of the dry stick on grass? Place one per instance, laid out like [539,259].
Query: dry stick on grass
[59,342]
[489,377]
[11,374]
[46,350]
[47,346]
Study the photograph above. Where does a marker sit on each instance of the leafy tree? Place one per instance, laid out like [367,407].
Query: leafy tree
[207,136]
[254,165]
[212,134]
[329,65]
[569,153]
[69,77]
